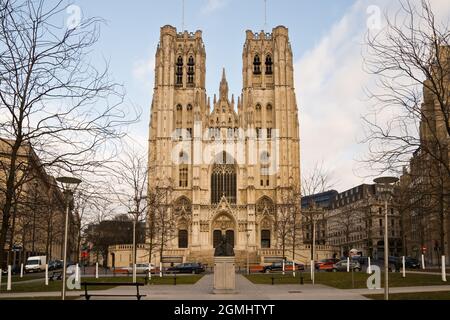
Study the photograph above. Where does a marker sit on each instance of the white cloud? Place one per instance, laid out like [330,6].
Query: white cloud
[330,83]
[213,5]
[144,70]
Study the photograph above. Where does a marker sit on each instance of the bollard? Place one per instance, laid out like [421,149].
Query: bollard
[77,274]
[8,285]
[423,262]
[21,271]
[284,268]
[404,266]
[96,270]
[46,274]
[369,268]
[302,281]
[444,271]
[1,274]
[348,265]
[160,270]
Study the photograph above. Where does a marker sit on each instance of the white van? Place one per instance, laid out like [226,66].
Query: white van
[36,264]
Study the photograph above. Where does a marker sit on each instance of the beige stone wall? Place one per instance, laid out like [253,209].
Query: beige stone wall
[267,102]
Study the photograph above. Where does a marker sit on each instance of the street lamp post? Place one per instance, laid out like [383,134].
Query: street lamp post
[385,186]
[248,254]
[69,186]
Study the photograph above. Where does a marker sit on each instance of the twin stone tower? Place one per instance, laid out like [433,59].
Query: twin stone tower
[223,167]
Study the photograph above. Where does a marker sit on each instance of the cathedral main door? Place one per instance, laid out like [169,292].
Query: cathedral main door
[223,226]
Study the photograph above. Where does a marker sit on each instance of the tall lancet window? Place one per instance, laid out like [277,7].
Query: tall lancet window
[269,65]
[224,179]
[257,65]
[191,70]
[179,73]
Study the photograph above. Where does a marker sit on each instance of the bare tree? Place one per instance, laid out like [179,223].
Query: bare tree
[130,186]
[287,222]
[410,59]
[317,180]
[52,100]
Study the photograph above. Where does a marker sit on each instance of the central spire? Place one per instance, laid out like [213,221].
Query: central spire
[224,86]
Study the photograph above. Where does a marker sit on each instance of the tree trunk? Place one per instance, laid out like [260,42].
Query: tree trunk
[9,198]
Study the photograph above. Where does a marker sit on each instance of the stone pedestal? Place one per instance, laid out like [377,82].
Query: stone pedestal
[224,275]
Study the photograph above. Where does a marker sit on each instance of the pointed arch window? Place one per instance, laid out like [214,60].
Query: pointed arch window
[224,180]
[265,239]
[183,241]
[191,70]
[179,71]
[269,65]
[257,65]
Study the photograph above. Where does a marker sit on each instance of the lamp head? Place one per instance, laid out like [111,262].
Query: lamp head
[69,184]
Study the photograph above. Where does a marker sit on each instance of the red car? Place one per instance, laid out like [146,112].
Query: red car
[326,264]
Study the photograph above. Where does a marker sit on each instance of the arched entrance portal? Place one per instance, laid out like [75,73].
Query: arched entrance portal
[223,225]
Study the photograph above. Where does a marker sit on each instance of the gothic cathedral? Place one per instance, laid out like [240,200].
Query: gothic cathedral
[228,166]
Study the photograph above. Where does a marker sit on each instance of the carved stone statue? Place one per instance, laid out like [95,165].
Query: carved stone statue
[224,249]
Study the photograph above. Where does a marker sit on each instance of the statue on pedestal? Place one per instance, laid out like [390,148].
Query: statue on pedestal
[224,249]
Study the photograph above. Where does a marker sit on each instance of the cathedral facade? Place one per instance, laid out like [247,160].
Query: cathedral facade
[229,164]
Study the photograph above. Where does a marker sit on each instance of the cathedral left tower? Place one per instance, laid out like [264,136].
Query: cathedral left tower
[179,98]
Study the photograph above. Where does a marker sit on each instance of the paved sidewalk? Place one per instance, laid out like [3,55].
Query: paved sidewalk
[403,290]
[202,291]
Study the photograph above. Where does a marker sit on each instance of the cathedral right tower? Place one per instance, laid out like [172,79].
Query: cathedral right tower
[269,101]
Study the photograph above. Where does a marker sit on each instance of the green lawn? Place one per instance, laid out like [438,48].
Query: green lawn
[55,286]
[443,295]
[40,299]
[343,280]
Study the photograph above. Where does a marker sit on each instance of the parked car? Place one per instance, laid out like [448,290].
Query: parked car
[141,268]
[14,270]
[36,264]
[278,267]
[72,268]
[341,266]
[192,268]
[53,265]
[326,264]
[412,263]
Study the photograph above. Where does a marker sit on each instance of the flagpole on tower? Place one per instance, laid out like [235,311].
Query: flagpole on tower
[183,17]
[265,14]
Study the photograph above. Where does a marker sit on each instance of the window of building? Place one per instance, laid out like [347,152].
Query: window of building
[224,180]
[183,239]
[191,70]
[230,237]
[189,107]
[189,130]
[269,64]
[269,133]
[257,65]
[184,177]
[258,133]
[179,71]
[265,239]
[217,238]
[179,133]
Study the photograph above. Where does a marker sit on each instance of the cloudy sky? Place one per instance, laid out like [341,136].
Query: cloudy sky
[326,37]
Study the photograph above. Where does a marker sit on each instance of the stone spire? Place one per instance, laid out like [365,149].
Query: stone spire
[224,87]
